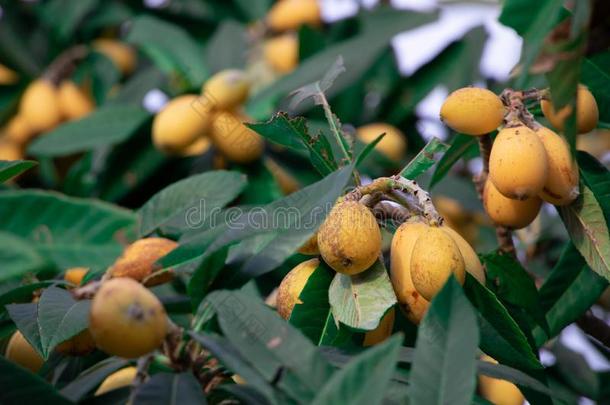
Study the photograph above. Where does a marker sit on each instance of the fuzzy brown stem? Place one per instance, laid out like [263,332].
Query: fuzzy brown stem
[141,375]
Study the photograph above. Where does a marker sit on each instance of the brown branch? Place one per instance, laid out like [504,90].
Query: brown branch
[503,234]
[141,375]
[65,63]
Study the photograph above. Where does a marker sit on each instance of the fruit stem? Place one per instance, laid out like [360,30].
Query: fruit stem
[503,234]
[141,375]
[65,63]
[392,186]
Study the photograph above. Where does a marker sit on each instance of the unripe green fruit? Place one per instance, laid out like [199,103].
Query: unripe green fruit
[518,164]
[514,214]
[350,239]
[435,257]
[180,123]
[472,111]
[561,187]
[587,112]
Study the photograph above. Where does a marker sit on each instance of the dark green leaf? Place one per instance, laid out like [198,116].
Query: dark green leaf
[59,317]
[514,285]
[569,291]
[270,345]
[69,231]
[19,386]
[459,146]
[19,257]
[10,169]
[228,48]
[424,159]
[444,365]
[310,314]
[92,378]
[375,366]
[170,389]
[170,47]
[193,199]
[106,126]
[293,133]
[64,16]
[501,337]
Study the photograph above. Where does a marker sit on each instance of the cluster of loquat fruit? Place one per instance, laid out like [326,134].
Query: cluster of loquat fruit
[189,124]
[46,104]
[126,319]
[528,163]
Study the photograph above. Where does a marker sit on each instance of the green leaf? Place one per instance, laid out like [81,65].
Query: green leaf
[68,231]
[191,199]
[19,257]
[375,366]
[460,145]
[293,133]
[104,127]
[21,294]
[272,233]
[254,9]
[361,301]
[501,337]
[170,389]
[229,356]
[594,74]
[58,318]
[14,50]
[359,53]
[424,159]
[270,345]
[19,386]
[368,149]
[228,48]
[103,74]
[514,285]
[91,378]
[311,313]
[533,24]
[584,220]
[10,169]
[568,292]
[204,275]
[444,366]
[138,85]
[162,40]
[64,16]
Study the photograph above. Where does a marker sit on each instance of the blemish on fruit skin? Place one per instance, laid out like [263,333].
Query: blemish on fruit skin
[274,342]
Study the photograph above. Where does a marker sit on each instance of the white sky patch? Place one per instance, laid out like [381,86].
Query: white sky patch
[334,10]
[547,358]
[573,338]
[416,5]
[154,100]
[430,128]
[430,106]
[156,3]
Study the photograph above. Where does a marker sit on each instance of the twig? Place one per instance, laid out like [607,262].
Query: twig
[141,375]
[503,234]
[65,63]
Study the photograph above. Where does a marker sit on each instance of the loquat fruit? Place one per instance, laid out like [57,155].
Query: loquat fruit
[472,111]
